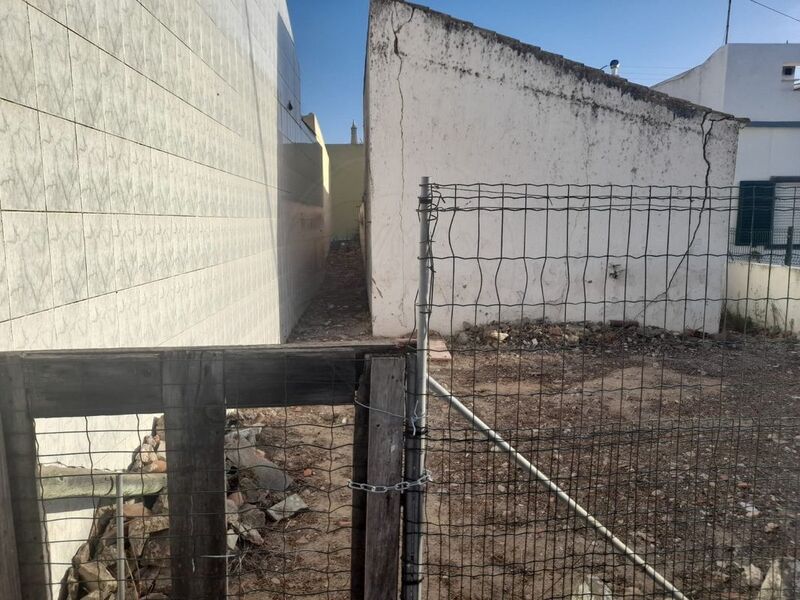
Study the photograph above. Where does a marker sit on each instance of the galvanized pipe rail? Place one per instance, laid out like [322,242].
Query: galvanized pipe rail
[526,465]
[416,407]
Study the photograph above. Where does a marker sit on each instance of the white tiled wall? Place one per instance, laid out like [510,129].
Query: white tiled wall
[141,202]
[154,190]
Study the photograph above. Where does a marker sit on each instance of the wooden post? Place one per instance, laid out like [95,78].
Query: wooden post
[9,563]
[385,467]
[194,407]
[787,259]
[360,461]
[30,553]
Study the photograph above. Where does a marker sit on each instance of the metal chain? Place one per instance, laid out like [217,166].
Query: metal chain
[397,487]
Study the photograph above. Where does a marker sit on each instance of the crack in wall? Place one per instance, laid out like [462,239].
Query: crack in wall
[706,198]
[396,46]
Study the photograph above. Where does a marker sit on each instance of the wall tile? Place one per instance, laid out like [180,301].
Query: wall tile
[57,9]
[68,257]
[82,17]
[5,312]
[131,330]
[51,65]
[33,332]
[60,164]
[111,27]
[152,46]
[115,101]
[28,262]
[87,81]
[137,113]
[118,152]
[93,169]
[142,161]
[17,81]
[99,239]
[71,325]
[134,34]
[21,181]
[126,250]
[104,321]
[6,338]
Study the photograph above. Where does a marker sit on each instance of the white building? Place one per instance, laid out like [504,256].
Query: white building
[760,82]
[158,187]
[462,104]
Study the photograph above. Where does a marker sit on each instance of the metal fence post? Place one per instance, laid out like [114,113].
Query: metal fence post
[787,259]
[416,406]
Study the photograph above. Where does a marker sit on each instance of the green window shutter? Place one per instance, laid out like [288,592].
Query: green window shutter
[754,216]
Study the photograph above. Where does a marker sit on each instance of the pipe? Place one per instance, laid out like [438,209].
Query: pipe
[416,407]
[526,465]
[120,539]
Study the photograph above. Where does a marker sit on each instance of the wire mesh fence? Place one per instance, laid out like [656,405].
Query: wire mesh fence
[625,342]
[287,509]
[238,486]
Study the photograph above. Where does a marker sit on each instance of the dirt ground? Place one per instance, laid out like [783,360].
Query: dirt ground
[685,447]
[308,556]
[340,310]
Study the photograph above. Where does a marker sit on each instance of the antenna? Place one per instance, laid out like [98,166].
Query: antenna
[728,21]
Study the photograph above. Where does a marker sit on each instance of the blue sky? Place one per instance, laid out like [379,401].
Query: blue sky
[653,39]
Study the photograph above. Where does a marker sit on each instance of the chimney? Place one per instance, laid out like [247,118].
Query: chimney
[353,133]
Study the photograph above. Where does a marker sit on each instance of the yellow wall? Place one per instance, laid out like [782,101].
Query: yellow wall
[347,188]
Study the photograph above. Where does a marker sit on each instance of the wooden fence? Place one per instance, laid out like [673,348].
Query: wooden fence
[194,387]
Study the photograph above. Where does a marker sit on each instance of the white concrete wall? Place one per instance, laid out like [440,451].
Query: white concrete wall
[766,152]
[461,104]
[743,80]
[746,80]
[156,188]
[754,87]
[703,84]
[768,295]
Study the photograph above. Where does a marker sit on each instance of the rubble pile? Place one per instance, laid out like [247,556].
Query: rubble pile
[258,492]
[529,334]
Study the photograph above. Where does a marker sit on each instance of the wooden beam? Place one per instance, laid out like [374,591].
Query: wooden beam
[360,462]
[263,378]
[194,416]
[20,450]
[9,561]
[385,467]
[77,383]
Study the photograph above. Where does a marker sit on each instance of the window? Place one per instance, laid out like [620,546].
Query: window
[789,73]
[767,209]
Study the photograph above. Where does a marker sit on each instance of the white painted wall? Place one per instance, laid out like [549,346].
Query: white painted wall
[746,80]
[768,295]
[743,80]
[461,104]
[155,189]
[765,152]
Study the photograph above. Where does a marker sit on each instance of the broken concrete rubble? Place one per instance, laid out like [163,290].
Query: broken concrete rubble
[254,483]
[287,508]
[782,581]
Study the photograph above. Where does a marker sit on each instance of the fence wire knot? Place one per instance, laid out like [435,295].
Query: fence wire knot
[397,487]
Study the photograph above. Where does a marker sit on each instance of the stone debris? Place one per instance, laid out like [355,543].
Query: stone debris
[590,588]
[256,487]
[782,581]
[287,508]
[752,576]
